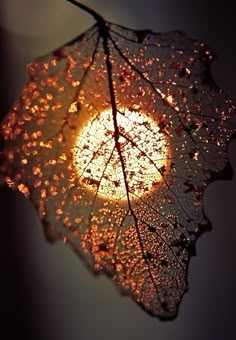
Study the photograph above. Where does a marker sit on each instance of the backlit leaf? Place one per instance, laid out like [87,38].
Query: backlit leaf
[114,139]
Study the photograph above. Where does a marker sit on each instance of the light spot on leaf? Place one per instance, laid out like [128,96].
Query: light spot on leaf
[143,148]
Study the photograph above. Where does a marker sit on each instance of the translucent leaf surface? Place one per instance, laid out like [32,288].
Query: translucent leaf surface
[114,139]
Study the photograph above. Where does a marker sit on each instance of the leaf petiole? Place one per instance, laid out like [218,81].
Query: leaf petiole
[85,8]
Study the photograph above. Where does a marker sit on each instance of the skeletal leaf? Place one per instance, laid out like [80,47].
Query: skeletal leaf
[114,140]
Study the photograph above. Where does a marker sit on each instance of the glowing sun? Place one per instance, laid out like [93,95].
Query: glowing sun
[143,149]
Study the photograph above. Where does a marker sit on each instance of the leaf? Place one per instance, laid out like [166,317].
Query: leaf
[114,140]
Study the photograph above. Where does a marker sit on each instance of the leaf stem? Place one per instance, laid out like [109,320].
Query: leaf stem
[85,8]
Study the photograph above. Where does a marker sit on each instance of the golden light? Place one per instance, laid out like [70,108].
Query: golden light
[143,149]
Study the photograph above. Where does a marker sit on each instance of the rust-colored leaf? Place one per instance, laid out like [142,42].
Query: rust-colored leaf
[114,139]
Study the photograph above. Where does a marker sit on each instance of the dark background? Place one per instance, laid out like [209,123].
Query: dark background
[46,293]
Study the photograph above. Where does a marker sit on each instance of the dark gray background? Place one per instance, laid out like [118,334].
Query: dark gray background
[46,292]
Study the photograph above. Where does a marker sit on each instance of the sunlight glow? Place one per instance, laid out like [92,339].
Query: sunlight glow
[143,148]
